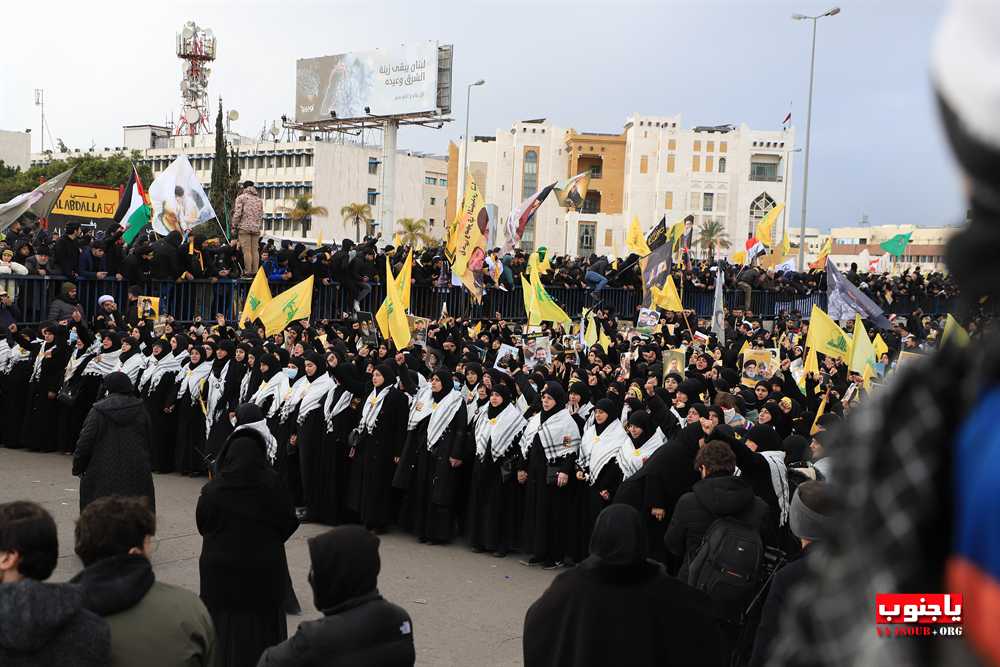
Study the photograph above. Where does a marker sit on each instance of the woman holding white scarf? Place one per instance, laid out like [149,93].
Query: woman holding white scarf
[549,448]
[157,390]
[495,502]
[382,432]
[189,401]
[432,455]
[310,420]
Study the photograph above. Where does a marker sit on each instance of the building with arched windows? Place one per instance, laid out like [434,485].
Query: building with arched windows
[654,168]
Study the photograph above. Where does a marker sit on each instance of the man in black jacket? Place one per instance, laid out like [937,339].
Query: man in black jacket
[359,626]
[360,272]
[718,494]
[66,250]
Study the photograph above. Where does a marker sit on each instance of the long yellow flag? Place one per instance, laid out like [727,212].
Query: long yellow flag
[528,295]
[635,240]
[825,336]
[766,225]
[880,346]
[291,305]
[820,262]
[258,297]
[862,358]
[666,297]
[391,315]
[543,308]
[786,245]
[405,279]
[954,330]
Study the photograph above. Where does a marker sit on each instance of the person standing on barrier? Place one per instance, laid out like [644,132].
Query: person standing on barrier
[248,215]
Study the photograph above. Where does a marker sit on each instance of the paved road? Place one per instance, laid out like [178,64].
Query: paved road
[467,608]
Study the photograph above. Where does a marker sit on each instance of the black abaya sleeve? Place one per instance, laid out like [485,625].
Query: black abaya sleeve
[85,443]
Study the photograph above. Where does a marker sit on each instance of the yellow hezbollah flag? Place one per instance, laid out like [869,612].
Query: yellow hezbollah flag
[467,235]
[391,316]
[543,308]
[820,262]
[862,358]
[675,234]
[666,297]
[786,245]
[819,413]
[952,329]
[258,297]
[289,306]
[766,226]
[825,336]
[527,294]
[536,263]
[880,346]
[635,241]
[812,363]
[405,279]
[739,257]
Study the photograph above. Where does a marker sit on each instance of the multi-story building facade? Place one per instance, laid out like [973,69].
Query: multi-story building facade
[332,174]
[654,168]
[15,148]
[926,249]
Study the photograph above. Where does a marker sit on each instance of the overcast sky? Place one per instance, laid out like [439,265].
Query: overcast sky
[876,145]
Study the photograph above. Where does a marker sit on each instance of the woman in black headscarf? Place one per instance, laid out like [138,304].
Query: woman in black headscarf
[382,434]
[549,447]
[341,413]
[72,412]
[38,429]
[188,402]
[247,354]
[222,395]
[157,389]
[604,441]
[495,500]
[571,622]
[433,452]
[318,493]
[245,516]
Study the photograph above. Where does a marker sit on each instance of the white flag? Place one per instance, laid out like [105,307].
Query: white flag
[179,200]
[719,308]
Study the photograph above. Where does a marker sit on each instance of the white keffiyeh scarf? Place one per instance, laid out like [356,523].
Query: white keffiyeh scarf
[442,413]
[335,404]
[171,363]
[277,388]
[5,354]
[779,480]
[103,364]
[190,380]
[373,406]
[498,433]
[269,439]
[552,434]
[315,395]
[78,357]
[17,355]
[420,407]
[292,398]
[597,450]
[630,459]
[216,388]
[471,397]
[133,367]
[36,370]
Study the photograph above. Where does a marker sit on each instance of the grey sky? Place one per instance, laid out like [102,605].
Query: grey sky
[877,147]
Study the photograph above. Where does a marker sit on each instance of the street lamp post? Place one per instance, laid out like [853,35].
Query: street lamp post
[805,169]
[465,140]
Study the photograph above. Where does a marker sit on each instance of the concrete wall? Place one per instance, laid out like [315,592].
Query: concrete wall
[15,149]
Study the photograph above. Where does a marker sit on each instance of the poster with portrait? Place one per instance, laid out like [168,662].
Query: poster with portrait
[179,200]
[907,358]
[758,366]
[538,350]
[507,357]
[418,329]
[674,361]
[648,318]
[148,308]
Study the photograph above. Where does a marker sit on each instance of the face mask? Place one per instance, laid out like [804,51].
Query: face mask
[290,372]
[458,385]
[73,336]
[729,414]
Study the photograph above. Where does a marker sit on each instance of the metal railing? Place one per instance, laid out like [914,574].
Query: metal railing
[33,296]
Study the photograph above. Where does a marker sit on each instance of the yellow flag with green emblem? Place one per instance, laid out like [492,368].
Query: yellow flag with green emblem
[289,306]
[391,315]
[635,240]
[258,297]
[825,336]
[880,345]
[543,308]
[666,297]
[862,358]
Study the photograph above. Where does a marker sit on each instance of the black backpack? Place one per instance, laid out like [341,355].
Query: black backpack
[727,564]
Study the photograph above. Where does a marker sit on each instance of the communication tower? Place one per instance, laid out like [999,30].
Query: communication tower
[196,48]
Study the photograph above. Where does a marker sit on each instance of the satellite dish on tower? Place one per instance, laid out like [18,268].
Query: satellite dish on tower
[234,115]
[192,115]
[275,130]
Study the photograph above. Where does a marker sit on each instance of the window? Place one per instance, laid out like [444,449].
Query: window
[372,197]
[707,200]
[722,146]
[708,162]
[260,162]
[722,165]
[609,238]
[309,159]
[585,238]
[529,177]
[763,171]
[709,146]
[430,180]
[443,182]
[669,201]
[697,146]
[433,199]
[670,164]
[695,202]
[720,202]
[595,171]
[758,209]
[671,144]
[695,163]
[298,160]
[431,221]
[592,202]
[643,164]
[279,192]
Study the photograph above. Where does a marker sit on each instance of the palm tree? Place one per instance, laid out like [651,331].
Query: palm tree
[713,235]
[413,232]
[303,211]
[356,213]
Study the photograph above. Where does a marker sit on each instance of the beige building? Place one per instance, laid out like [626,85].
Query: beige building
[926,249]
[332,173]
[15,149]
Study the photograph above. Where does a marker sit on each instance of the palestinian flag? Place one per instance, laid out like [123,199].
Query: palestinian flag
[134,210]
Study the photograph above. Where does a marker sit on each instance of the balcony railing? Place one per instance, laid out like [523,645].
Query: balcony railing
[766,179]
[184,301]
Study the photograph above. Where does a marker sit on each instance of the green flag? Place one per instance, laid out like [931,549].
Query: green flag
[897,244]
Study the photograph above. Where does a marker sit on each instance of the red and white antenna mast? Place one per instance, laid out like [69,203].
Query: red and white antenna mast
[196,48]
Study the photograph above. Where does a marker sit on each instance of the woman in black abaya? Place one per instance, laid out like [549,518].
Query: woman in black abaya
[188,402]
[71,416]
[433,452]
[38,429]
[604,441]
[495,499]
[310,429]
[549,447]
[383,431]
[18,369]
[158,391]
[245,516]
[222,395]
[341,412]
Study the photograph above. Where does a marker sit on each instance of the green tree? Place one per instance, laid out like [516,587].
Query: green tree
[301,214]
[413,232]
[234,177]
[356,214]
[219,189]
[713,235]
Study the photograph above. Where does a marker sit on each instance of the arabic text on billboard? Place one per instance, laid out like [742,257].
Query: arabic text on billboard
[87,201]
[389,82]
